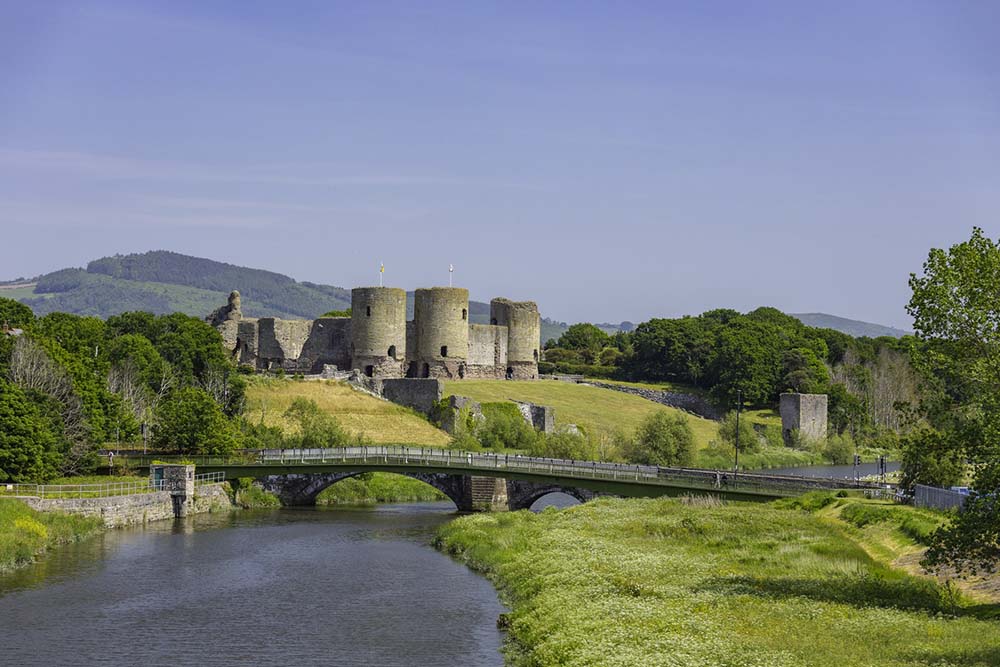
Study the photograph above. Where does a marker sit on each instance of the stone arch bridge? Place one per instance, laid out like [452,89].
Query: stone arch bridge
[485,481]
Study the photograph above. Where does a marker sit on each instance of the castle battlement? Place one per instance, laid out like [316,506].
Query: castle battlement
[378,341]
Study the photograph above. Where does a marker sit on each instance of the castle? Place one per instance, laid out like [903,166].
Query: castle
[378,341]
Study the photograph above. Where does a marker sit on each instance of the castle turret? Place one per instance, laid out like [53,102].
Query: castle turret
[524,333]
[378,331]
[441,323]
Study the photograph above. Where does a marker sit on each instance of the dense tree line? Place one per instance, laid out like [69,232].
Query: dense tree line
[71,384]
[760,354]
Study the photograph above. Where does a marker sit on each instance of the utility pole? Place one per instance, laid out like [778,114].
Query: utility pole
[739,409]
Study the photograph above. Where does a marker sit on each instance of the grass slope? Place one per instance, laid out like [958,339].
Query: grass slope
[662,582]
[379,421]
[601,412]
[25,533]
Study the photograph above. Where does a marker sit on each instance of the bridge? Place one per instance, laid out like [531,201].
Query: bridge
[478,481]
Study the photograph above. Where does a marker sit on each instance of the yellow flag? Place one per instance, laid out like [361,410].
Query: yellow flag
[382,269]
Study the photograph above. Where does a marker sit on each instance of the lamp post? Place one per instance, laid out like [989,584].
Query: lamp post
[739,408]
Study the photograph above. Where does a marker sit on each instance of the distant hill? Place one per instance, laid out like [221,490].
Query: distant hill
[854,328]
[164,282]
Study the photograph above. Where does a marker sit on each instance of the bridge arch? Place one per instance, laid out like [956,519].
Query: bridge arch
[522,495]
[299,489]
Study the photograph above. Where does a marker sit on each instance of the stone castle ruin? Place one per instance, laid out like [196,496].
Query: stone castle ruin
[379,342]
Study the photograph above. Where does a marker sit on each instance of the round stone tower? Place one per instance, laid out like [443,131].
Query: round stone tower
[524,333]
[378,331]
[441,320]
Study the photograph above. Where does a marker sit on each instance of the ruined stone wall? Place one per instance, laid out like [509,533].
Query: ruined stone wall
[524,332]
[487,357]
[378,330]
[329,343]
[419,394]
[246,341]
[441,317]
[805,413]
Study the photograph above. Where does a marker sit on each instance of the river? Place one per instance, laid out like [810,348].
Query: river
[292,586]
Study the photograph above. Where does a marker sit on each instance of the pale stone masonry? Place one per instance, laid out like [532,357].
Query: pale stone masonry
[378,341]
[805,413]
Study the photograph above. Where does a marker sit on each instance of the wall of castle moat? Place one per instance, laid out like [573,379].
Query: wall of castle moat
[378,341]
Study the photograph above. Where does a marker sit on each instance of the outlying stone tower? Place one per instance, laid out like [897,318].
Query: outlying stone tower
[377,340]
[804,413]
[378,331]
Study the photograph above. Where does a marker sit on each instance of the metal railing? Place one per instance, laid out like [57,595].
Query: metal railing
[416,457]
[201,479]
[81,490]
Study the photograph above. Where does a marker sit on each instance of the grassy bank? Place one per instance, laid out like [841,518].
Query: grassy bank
[662,582]
[381,422]
[602,412]
[378,487]
[25,533]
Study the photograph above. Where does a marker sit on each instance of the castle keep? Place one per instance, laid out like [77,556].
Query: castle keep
[378,341]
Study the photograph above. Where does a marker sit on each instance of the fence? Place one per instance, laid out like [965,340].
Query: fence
[939,499]
[82,490]
[137,487]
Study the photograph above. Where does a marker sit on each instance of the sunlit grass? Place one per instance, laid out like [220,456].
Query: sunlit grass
[660,582]
[381,422]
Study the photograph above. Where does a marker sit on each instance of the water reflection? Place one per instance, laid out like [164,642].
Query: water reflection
[315,586]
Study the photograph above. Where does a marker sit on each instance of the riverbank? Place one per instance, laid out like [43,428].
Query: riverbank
[379,487]
[25,533]
[669,582]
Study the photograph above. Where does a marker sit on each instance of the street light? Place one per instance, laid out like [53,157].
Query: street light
[739,408]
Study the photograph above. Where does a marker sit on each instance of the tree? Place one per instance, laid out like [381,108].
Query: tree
[584,336]
[804,373]
[14,314]
[956,319]
[29,442]
[929,459]
[317,429]
[663,439]
[749,440]
[190,422]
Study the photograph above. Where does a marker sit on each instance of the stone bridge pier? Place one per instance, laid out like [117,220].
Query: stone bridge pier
[469,493]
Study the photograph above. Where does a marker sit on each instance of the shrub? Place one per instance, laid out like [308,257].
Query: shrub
[317,429]
[839,449]
[749,440]
[505,427]
[663,439]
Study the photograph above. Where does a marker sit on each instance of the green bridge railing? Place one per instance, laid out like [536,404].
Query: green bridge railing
[472,462]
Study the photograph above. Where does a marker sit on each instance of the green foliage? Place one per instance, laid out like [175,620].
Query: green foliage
[804,372]
[564,445]
[663,439]
[378,487]
[337,313]
[585,338]
[839,449]
[15,315]
[931,459]
[192,423]
[918,525]
[25,533]
[748,437]
[248,495]
[957,352]
[317,429]
[30,442]
[505,428]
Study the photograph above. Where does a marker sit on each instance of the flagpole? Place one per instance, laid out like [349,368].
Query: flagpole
[451,272]
[381,272]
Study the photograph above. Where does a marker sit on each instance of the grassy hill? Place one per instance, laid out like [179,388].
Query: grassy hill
[380,421]
[854,328]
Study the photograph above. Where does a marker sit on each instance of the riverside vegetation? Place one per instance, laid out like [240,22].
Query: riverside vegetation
[25,533]
[693,581]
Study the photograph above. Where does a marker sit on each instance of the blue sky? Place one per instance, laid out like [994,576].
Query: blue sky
[609,160]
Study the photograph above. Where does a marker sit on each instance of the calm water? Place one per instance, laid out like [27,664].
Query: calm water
[295,587]
[846,472]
